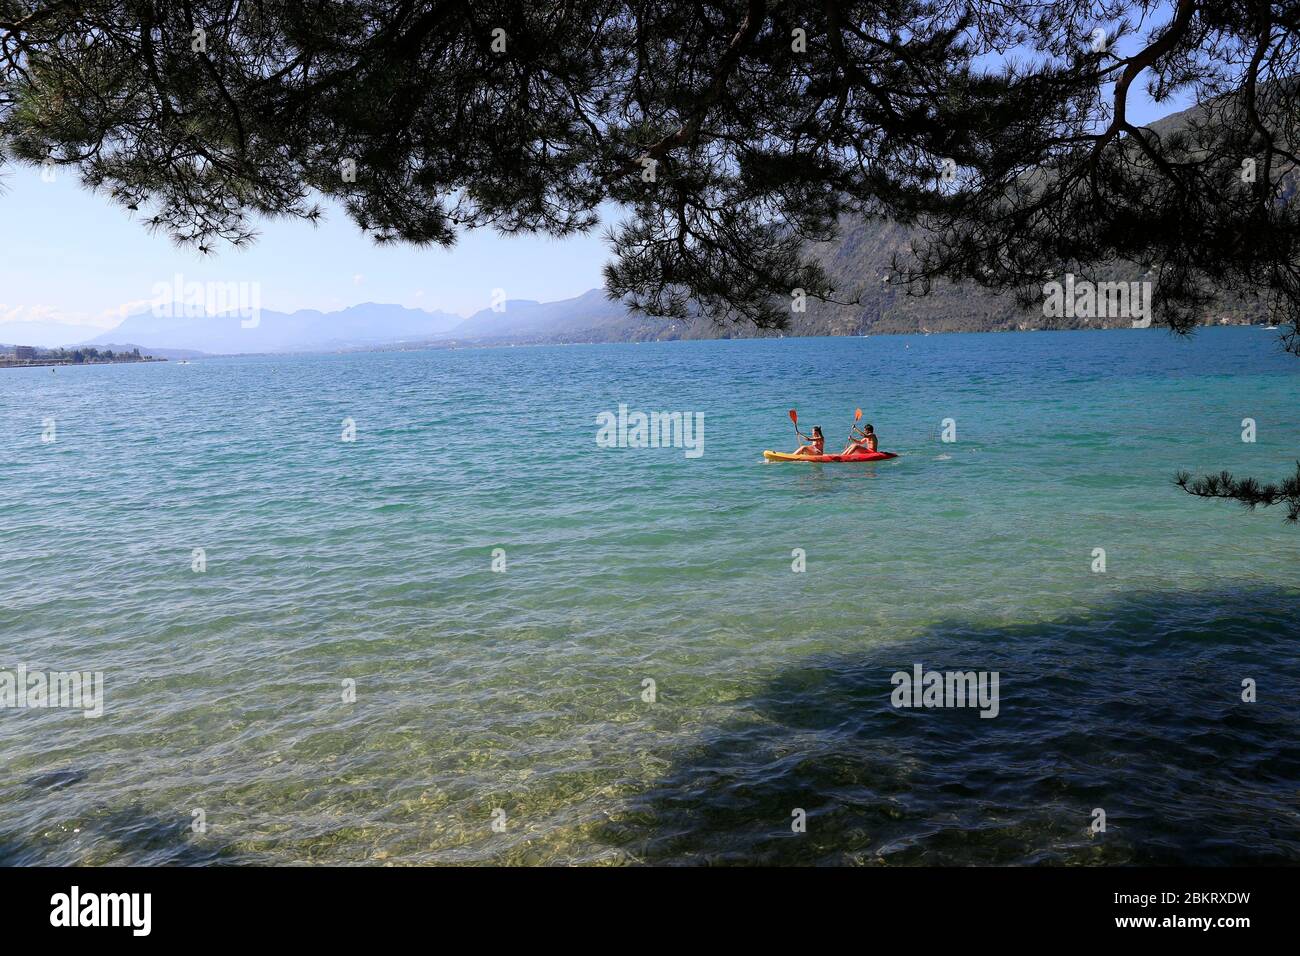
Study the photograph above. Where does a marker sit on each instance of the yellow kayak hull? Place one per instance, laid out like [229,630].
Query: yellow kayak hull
[868,456]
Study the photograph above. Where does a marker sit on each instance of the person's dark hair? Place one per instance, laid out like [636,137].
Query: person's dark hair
[817,430]
[868,429]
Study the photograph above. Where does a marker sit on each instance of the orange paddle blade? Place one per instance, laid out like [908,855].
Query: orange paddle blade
[857,414]
[794,416]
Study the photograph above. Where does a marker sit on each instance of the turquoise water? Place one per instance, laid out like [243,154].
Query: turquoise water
[522,691]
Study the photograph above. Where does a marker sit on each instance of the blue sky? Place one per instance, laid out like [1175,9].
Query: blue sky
[70,255]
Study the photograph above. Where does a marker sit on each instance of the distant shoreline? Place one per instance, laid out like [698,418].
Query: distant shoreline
[455,345]
[41,363]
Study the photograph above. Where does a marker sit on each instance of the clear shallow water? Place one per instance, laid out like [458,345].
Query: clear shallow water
[371,561]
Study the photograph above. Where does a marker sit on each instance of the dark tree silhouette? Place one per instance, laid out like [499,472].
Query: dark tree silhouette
[733,134]
[1206,206]
[1246,491]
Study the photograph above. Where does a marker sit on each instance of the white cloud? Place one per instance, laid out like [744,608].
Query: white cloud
[108,319]
[116,314]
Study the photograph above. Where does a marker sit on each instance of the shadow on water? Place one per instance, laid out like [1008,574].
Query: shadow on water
[130,833]
[107,834]
[1134,708]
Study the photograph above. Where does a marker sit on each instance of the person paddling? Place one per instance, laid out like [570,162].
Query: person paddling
[861,441]
[817,444]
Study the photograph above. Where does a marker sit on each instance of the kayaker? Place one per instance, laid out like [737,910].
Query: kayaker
[818,446]
[862,440]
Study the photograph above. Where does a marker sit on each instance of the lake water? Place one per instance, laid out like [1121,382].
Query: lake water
[503,716]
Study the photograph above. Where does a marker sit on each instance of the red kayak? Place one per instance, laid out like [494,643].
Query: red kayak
[866,456]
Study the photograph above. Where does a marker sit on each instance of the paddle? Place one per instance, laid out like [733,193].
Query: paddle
[794,417]
[857,417]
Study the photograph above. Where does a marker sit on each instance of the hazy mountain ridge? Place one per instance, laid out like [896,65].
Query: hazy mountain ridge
[858,262]
[307,330]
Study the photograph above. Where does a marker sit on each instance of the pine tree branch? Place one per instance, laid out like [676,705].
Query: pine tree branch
[1248,491]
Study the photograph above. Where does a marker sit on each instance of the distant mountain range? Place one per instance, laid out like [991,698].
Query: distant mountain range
[307,330]
[858,261]
[588,317]
[860,258]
